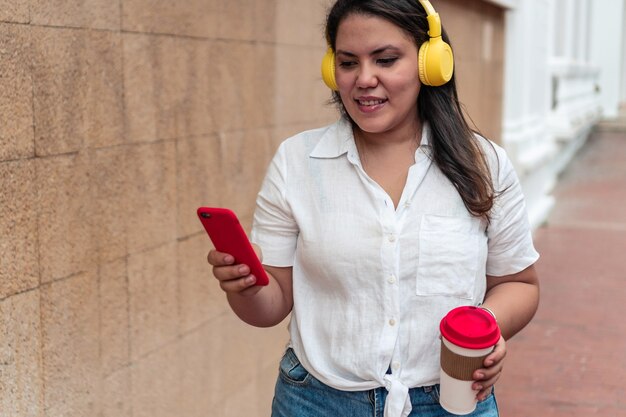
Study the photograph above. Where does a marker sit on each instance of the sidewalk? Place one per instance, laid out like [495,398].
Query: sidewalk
[570,361]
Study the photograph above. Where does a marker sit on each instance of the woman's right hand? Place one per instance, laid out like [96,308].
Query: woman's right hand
[233,278]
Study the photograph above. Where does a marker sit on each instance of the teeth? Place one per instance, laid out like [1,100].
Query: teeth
[370,102]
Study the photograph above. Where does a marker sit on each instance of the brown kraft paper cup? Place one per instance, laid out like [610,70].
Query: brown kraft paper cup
[468,336]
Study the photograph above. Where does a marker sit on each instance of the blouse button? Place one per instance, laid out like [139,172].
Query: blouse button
[392,238]
[392,322]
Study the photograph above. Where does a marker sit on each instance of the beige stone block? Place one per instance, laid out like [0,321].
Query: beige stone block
[245,157]
[117,394]
[114,331]
[201,298]
[58,80]
[254,396]
[249,363]
[235,84]
[71,351]
[270,346]
[153,300]
[265,384]
[244,402]
[252,399]
[16,103]
[237,20]
[14,11]
[265,82]
[247,92]
[167,87]
[111,195]
[301,22]
[236,350]
[19,267]
[199,180]
[499,39]
[202,373]
[224,357]
[77,80]
[297,66]
[197,18]
[96,14]
[323,112]
[265,15]
[21,384]
[156,383]
[104,105]
[64,217]
[241,350]
[151,195]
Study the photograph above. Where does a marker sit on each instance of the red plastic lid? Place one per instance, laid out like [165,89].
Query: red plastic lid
[470,327]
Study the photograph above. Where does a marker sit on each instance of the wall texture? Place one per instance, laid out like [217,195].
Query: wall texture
[117,120]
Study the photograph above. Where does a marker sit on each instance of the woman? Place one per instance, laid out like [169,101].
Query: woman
[373,228]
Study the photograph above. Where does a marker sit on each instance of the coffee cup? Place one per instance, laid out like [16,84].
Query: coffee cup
[468,336]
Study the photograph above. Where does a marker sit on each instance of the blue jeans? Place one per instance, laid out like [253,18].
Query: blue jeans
[299,394]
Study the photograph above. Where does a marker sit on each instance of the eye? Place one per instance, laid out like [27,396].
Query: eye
[386,62]
[347,64]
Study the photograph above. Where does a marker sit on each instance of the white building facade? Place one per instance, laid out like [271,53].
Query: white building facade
[565,66]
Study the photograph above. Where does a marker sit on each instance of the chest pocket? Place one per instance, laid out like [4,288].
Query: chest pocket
[448,256]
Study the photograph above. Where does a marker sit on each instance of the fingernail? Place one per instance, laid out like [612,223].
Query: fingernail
[251,279]
[480,375]
[229,259]
[243,269]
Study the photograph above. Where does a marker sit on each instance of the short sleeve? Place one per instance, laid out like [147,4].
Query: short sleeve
[273,227]
[511,248]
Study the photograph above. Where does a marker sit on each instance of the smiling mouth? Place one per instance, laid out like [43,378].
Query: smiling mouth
[370,102]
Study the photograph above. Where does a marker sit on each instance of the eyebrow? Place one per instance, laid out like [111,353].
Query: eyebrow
[374,52]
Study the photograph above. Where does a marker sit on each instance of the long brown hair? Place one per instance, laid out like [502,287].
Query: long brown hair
[455,147]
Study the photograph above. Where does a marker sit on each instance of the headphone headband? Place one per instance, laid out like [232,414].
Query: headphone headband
[434,21]
[430,10]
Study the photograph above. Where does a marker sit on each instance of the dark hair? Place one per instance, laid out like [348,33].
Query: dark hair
[455,147]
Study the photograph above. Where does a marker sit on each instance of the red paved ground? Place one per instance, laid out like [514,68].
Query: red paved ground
[571,360]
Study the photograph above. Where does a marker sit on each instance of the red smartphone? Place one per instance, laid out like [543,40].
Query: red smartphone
[228,236]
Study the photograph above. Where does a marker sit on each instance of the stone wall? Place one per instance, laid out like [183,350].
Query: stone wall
[117,120]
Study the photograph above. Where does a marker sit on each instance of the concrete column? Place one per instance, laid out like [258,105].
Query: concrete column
[569,13]
[529,40]
[607,50]
[623,69]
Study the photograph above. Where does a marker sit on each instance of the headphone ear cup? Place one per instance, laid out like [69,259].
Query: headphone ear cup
[328,69]
[435,61]
[421,63]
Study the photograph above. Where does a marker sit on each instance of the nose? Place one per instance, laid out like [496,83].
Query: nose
[366,77]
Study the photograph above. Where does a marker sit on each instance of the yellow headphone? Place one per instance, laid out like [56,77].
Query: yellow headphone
[435,60]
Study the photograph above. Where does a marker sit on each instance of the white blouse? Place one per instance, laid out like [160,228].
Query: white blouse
[371,282]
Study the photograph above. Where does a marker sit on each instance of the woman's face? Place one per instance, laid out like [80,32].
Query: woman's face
[377,74]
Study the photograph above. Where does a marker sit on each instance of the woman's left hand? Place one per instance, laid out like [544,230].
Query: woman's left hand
[486,377]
